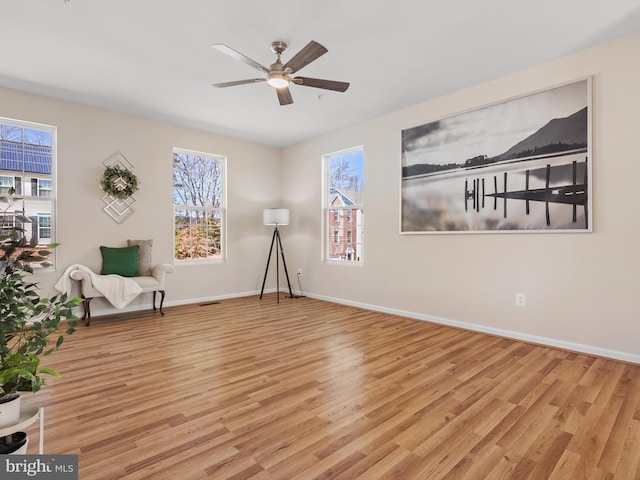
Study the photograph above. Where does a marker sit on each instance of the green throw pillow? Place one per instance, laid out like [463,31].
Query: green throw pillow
[121,261]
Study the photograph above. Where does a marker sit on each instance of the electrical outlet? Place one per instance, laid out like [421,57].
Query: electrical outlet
[299,271]
[521,300]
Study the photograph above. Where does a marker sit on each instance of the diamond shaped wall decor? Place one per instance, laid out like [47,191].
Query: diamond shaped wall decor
[119,209]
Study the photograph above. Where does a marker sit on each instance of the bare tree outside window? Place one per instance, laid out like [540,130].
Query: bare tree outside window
[31,136]
[198,199]
[345,172]
[10,133]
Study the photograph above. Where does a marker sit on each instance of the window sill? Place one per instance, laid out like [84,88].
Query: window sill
[200,261]
[348,263]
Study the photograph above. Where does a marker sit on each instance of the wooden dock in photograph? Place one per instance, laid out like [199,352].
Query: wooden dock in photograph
[573,193]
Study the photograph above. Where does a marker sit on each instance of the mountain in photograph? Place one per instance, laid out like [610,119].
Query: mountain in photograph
[558,135]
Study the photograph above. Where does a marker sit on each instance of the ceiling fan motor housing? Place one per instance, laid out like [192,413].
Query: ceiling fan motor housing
[277,78]
[278,48]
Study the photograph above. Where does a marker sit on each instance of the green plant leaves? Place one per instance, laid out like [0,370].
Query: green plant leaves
[30,326]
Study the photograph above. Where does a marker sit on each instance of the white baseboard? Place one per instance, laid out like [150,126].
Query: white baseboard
[550,342]
[215,298]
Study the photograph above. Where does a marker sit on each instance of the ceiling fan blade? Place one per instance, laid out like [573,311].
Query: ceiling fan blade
[319,83]
[238,82]
[312,51]
[221,47]
[284,96]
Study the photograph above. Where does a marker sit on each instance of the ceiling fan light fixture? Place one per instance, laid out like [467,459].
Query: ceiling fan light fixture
[278,80]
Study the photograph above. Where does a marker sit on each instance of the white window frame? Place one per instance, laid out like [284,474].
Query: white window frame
[42,188]
[39,219]
[219,211]
[330,212]
[6,186]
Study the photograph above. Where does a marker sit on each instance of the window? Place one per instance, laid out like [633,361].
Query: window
[43,188]
[198,205]
[6,184]
[44,226]
[27,157]
[8,221]
[343,205]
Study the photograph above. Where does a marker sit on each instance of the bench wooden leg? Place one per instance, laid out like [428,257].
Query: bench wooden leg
[86,303]
[161,300]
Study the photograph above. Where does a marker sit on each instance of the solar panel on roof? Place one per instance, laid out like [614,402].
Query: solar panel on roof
[29,158]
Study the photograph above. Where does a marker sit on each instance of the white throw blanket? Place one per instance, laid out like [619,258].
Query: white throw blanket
[118,290]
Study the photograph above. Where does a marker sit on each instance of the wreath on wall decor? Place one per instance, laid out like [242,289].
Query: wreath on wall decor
[119,182]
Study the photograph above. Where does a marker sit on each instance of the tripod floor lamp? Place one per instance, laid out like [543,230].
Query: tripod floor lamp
[276,217]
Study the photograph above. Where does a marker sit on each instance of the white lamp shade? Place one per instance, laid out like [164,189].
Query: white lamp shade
[275,216]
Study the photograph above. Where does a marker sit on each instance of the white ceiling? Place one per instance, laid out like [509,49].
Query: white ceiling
[153,58]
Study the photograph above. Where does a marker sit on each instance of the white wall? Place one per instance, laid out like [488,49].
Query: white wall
[582,289]
[87,136]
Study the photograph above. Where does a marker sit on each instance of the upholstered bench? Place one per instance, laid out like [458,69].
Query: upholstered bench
[134,264]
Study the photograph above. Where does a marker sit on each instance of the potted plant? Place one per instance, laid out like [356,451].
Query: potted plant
[30,325]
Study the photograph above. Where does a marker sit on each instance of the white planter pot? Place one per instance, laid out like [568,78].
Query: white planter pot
[23,449]
[19,447]
[10,412]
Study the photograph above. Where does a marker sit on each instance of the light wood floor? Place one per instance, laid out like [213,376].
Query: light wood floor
[304,389]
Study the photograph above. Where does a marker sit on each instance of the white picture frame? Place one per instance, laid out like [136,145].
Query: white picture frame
[521,165]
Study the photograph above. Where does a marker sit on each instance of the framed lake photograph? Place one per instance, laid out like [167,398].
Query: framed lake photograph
[522,165]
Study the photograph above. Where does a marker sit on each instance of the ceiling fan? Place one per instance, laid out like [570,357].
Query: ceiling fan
[279,75]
